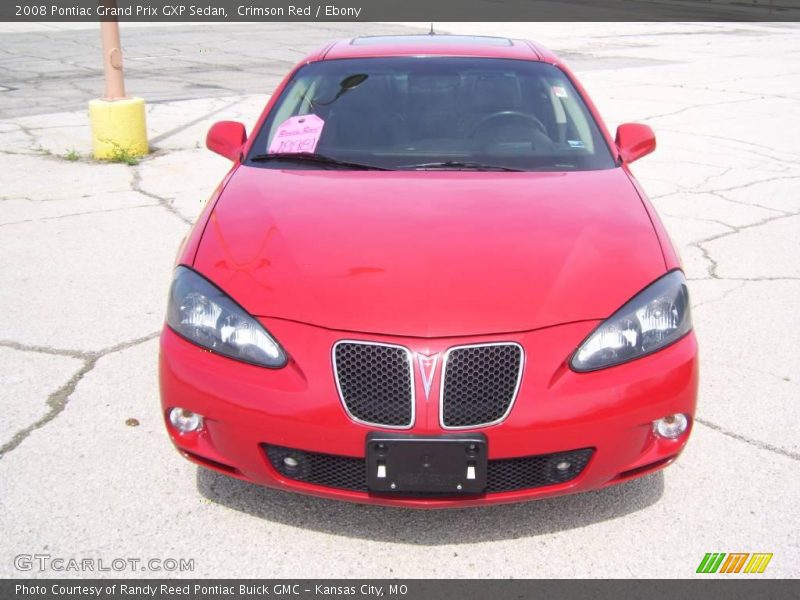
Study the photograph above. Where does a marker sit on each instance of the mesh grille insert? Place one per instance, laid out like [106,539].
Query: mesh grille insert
[375,383]
[480,383]
[510,474]
[503,475]
[322,469]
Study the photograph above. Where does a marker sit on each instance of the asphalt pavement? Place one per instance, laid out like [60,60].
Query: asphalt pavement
[86,469]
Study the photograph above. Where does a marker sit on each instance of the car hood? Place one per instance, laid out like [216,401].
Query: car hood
[430,254]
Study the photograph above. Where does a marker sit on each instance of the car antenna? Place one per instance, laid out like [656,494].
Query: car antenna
[431,32]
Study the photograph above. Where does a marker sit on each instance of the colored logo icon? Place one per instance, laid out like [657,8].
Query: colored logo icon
[737,562]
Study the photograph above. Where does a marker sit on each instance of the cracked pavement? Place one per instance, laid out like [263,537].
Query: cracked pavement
[86,469]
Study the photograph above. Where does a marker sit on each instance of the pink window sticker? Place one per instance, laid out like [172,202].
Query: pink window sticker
[297,134]
[559,91]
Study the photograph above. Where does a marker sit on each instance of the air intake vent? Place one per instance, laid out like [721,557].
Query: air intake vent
[503,475]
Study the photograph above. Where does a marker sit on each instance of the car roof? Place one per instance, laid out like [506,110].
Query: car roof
[432,45]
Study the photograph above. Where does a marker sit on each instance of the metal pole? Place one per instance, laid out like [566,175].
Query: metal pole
[112,54]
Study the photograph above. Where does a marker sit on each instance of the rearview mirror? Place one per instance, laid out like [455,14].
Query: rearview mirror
[226,138]
[634,141]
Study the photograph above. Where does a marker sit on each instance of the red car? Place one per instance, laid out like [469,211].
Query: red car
[429,280]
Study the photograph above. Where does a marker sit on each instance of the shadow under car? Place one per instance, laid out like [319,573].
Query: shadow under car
[432,527]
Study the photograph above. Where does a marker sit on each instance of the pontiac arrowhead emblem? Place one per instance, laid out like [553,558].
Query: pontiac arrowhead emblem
[427,367]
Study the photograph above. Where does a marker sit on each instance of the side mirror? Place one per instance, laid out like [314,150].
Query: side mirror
[634,141]
[226,138]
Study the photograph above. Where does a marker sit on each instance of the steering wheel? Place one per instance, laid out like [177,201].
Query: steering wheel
[508,114]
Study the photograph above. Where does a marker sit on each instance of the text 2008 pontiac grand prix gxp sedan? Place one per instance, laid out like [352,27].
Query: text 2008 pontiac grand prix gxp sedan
[429,280]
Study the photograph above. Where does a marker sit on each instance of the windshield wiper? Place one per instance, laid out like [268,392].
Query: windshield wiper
[459,165]
[315,158]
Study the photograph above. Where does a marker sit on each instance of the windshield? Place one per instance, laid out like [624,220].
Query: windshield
[432,113]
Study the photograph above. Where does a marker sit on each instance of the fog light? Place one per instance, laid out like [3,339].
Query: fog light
[672,426]
[560,468]
[184,420]
[290,462]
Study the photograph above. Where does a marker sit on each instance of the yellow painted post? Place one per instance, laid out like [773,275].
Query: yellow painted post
[119,130]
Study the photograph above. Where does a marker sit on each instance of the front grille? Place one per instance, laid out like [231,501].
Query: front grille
[503,475]
[479,384]
[375,382]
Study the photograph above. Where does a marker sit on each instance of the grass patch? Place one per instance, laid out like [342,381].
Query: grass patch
[123,155]
[72,155]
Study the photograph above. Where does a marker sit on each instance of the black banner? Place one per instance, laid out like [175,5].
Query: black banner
[414,589]
[398,10]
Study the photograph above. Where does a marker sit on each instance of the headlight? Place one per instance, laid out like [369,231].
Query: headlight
[203,314]
[651,320]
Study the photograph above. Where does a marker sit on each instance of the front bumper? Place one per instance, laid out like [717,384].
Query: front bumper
[248,409]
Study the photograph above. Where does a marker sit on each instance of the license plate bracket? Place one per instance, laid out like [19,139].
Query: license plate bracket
[441,464]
